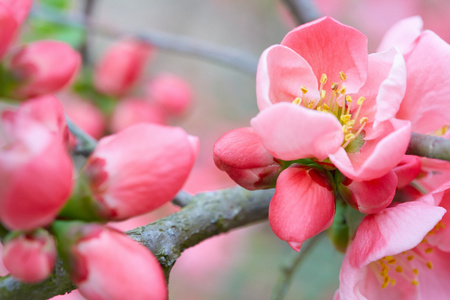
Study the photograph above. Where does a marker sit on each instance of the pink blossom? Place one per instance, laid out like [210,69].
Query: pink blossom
[139,169]
[121,66]
[35,168]
[241,154]
[30,257]
[171,92]
[19,9]
[401,252]
[132,111]
[44,67]
[100,273]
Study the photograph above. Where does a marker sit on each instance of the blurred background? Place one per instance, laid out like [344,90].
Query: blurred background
[246,263]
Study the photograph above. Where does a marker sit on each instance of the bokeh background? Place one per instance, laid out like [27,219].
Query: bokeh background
[246,263]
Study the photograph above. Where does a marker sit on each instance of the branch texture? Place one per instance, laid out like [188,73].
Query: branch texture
[429,146]
[303,11]
[206,215]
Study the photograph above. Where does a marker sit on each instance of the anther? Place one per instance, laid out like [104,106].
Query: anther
[349,136]
[342,90]
[334,86]
[428,250]
[304,89]
[360,100]
[342,75]
[323,79]
[345,118]
[363,120]
[297,101]
[323,94]
[429,265]
[415,282]
[399,269]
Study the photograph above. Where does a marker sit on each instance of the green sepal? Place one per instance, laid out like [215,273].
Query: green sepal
[81,205]
[339,230]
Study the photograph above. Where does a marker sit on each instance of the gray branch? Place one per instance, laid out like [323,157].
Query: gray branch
[206,215]
[303,11]
[429,146]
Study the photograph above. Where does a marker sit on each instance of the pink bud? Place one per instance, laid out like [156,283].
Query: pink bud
[139,169]
[35,168]
[171,92]
[132,111]
[242,155]
[84,114]
[19,9]
[8,26]
[30,257]
[109,265]
[121,66]
[44,67]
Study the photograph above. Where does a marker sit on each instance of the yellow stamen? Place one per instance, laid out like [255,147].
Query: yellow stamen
[345,118]
[399,269]
[304,90]
[348,137]
[429,265]
[415,282]
[334,86]
[297,101]
[415,271]
[360,100]
[363,120]
[342,75]
[323,79]
[342,90]
[428,250]
[323,94]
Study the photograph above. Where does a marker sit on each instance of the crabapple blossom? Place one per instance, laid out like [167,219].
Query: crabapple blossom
[106,264]
[30,257]
[121,66]
[35,168]
[137,170]
[44,67]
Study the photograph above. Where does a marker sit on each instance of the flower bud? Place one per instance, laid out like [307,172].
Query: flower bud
[9,26]
[170,92]
[135,171]
[106,264]
[121,66]
[35,168]
[44,67]
[30,257]
[132,111]
[242,155]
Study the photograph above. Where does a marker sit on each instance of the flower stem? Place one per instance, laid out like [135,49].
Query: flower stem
[287,272]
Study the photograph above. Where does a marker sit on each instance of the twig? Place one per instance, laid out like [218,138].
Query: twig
[225,55]
[288,272]
[182,199]
[85,143]
[429,146]
[303,11]
[207,215]
[88,10]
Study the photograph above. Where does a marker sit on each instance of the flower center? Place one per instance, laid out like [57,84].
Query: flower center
[338,103]
[405,266]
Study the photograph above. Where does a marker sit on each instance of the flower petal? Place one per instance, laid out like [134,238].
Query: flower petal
[402,35]
[303,205]
[331,47]
[392,231]
[377,156]
[281,73]
[291,132]
[426,102]
[407,170]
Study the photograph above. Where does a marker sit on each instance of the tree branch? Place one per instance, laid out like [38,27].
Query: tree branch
[85,143]
[429,146]
[303,11]
[88,10]
[225,55]
[206,215]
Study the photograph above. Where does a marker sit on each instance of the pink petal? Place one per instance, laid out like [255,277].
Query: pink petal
[330,47]
[242,148]
[426,102]
[303,205]
[374,195]
[392,231]
[377,156]
[291,132]
[433,284]
[281,74]
[402,35]
[407,170]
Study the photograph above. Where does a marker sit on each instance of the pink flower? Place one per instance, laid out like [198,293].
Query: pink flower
[132,111]
[30,257]
[327,119]
[241,154]
[139,169]
[44,67]
[121,66]
[171,92]
[12,15]
[106,264]
[35,168]
[350,120]
[401,252]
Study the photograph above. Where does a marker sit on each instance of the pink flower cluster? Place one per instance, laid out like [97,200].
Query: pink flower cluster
[334,125]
